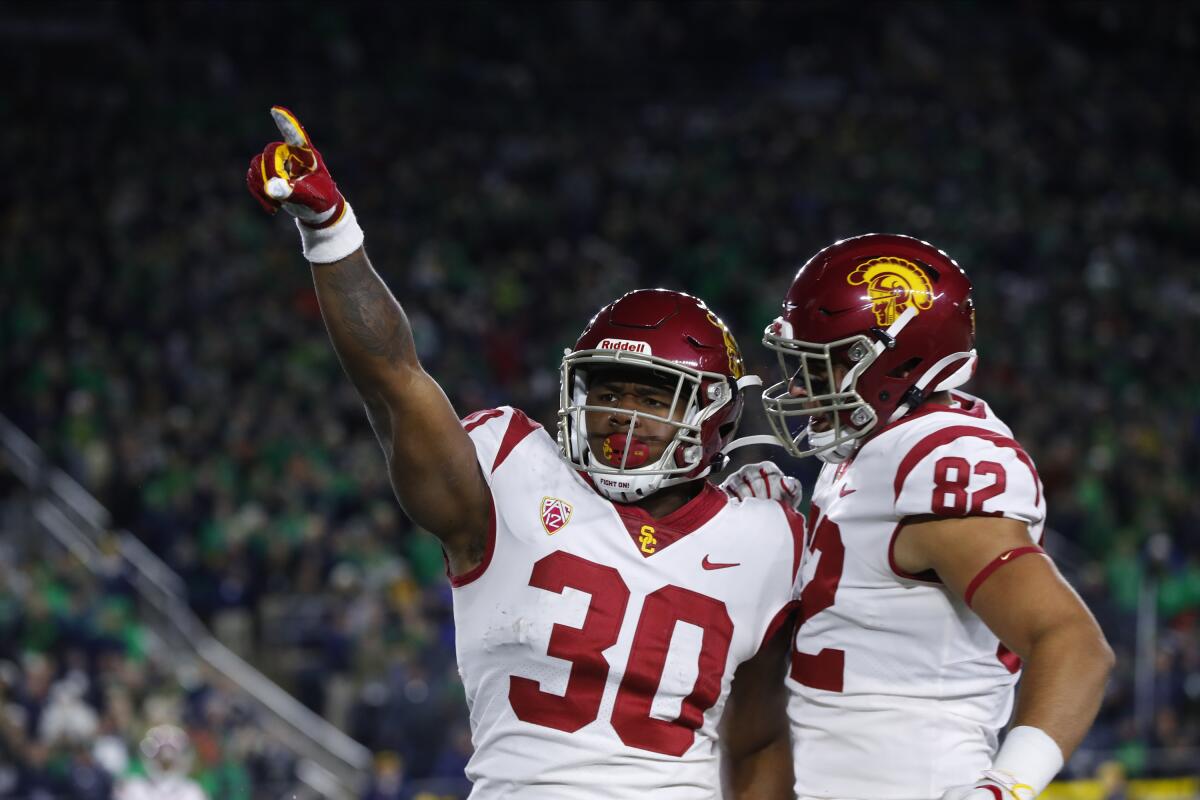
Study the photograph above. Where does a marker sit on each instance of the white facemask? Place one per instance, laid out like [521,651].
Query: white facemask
[830,455]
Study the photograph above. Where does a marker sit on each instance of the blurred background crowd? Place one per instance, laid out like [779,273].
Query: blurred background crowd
[515,167]
[91,701]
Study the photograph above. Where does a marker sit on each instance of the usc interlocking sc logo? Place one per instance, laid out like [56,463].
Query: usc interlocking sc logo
[893,284]
[647,540]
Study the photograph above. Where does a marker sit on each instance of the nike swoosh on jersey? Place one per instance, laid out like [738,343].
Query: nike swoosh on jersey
[716,564]
[846,490]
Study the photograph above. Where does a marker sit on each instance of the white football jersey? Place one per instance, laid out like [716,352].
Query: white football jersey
[597,644]
[897,689]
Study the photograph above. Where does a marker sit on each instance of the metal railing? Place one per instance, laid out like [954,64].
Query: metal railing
[330,763]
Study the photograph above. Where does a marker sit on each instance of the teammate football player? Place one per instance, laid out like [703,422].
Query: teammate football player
[604,591]
[925,585]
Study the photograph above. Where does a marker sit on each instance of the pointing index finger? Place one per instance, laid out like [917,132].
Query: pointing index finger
[289,127]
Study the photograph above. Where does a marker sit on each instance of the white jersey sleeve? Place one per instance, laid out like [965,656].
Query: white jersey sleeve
[968,470]
[495,432]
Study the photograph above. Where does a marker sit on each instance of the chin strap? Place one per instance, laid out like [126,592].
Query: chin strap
[763,439]
[916,393]
[886,340]
[746,441]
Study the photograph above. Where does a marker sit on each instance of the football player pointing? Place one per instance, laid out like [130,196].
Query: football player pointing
[925,586]
[605,593]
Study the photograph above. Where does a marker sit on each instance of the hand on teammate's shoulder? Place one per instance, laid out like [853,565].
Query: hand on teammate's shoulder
[766,481]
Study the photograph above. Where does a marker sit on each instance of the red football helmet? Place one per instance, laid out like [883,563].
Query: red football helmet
[895,311]
[672,336]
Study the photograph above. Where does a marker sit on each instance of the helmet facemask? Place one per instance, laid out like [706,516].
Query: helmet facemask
[695,397]
[810,367]
[851,416]
[895,313]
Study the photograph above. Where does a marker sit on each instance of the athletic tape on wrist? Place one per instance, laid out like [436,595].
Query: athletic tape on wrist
[1032,758]
[326,245]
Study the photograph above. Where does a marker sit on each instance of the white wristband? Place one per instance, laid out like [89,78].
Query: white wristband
[326,245]
[1031,757]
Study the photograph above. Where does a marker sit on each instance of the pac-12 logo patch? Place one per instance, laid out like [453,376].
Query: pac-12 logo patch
[555,514]
[893,284]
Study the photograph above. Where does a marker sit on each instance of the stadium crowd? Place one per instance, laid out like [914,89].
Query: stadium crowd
[82,682]
[514,170]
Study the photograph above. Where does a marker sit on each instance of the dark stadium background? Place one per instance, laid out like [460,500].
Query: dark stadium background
[515,166]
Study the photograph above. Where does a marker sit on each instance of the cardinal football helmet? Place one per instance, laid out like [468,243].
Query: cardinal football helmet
[674,338]
[896,312]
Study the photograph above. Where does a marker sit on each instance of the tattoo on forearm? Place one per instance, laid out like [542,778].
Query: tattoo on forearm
[368,312]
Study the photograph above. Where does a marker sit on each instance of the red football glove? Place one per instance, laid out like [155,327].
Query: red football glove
[292,175]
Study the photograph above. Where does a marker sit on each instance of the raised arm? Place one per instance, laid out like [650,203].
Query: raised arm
[430,458]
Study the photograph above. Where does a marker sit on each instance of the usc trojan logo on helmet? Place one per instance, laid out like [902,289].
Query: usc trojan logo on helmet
[737,367]
[893,284]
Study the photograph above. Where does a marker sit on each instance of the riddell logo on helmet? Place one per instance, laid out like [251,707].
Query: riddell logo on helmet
[893,285]
[626,345]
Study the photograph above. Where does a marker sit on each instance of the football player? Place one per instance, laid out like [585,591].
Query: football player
[925,584]
[605,592]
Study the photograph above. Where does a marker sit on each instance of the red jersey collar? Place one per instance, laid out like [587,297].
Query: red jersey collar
[650,534]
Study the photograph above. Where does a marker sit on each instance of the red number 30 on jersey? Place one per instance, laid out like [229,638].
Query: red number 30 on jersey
[584,647]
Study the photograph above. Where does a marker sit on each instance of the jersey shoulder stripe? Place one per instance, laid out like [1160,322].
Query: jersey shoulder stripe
[484,427]
[519,426]
[945,436]
[473,420]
